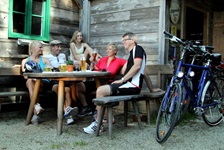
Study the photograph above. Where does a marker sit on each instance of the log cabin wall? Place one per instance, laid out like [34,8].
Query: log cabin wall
[110,19]
[63,22]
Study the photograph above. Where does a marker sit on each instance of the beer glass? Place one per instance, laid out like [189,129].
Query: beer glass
[83,63]
[93,63]
[94,54]
[62,67]
[47,68]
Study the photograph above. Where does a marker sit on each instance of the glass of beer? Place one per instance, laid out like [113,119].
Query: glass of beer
[47,68]
[94,54]
[83,64]
[62,67]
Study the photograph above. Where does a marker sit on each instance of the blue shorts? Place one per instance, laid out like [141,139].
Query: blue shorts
[115,90]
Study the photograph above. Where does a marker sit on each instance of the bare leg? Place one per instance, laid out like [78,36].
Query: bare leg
[68,99]
[94,126]
[80,92]
[149,82]
[101,92]
[67,92]
[30,85]
[87,52]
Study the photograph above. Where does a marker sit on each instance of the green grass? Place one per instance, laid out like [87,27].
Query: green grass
[59,145]
[63,145]
[81,144]
[186,119]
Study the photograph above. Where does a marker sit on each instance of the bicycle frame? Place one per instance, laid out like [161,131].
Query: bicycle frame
[195,98]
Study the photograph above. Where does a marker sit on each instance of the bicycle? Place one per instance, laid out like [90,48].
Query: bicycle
[202,101]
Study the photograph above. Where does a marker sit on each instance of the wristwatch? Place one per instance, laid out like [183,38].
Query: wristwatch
[122,79]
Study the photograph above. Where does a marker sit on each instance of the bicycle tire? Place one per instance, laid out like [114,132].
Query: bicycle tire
[185,101]
[212,115]
[167,115]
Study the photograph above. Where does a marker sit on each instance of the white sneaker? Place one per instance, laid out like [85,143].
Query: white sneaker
[35,119]
[70,121]
[69,111]
[38,108]
[91,129]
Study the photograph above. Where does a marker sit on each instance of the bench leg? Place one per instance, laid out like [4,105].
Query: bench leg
[110,120]
[134,103]
[125,113]
[148,111]
[100,119]
[158,102]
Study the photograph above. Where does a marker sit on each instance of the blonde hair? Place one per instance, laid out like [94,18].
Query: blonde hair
[74,37]
[113,46]
[32,45]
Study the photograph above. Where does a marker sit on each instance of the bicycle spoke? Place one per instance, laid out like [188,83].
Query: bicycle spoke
[168,112]
[211,103]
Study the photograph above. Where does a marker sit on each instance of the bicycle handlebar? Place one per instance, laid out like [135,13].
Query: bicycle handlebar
[168,34]
[191,47]
[174,38]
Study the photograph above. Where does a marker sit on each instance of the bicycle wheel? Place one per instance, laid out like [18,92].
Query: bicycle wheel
[211,102]
[168,112]
[185,101]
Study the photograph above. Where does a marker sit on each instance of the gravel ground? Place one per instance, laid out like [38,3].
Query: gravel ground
[14,135]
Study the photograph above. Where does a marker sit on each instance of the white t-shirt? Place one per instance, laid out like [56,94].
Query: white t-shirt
[55,61]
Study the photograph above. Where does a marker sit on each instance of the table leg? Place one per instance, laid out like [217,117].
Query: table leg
[61,92]
[33,101]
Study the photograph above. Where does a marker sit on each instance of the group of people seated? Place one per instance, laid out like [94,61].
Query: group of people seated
[131,73]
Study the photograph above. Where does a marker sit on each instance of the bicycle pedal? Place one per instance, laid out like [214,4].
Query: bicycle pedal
[199,111]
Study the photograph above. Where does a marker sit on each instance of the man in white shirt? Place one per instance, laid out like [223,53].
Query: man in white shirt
[55,58]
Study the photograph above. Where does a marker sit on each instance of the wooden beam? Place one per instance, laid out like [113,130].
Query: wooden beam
[10,71]
[85,20]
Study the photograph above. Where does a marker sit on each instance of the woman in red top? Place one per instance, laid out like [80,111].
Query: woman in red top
[110,62]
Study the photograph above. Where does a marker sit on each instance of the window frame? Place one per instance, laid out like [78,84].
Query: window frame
[45,29]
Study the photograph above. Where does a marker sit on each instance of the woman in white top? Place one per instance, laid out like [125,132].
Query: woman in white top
[78,47]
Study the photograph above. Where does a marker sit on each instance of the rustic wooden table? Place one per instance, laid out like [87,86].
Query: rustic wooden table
[61,77]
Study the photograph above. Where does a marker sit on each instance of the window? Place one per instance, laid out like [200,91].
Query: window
[29,19]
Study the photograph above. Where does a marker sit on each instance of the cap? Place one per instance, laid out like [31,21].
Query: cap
[55,42]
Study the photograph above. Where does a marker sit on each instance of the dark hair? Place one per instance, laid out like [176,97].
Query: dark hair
[131,35]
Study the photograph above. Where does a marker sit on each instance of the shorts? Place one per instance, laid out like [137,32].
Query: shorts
[115,90]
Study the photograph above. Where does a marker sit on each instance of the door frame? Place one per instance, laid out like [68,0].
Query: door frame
[207,16]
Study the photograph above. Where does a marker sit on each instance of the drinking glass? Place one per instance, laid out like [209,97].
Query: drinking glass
[62,67]
[94,54]
[47,68]
[83,65]
[77,67]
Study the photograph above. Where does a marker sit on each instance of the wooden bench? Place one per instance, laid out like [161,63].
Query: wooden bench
[11,78]
[158,71]
[109,102]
